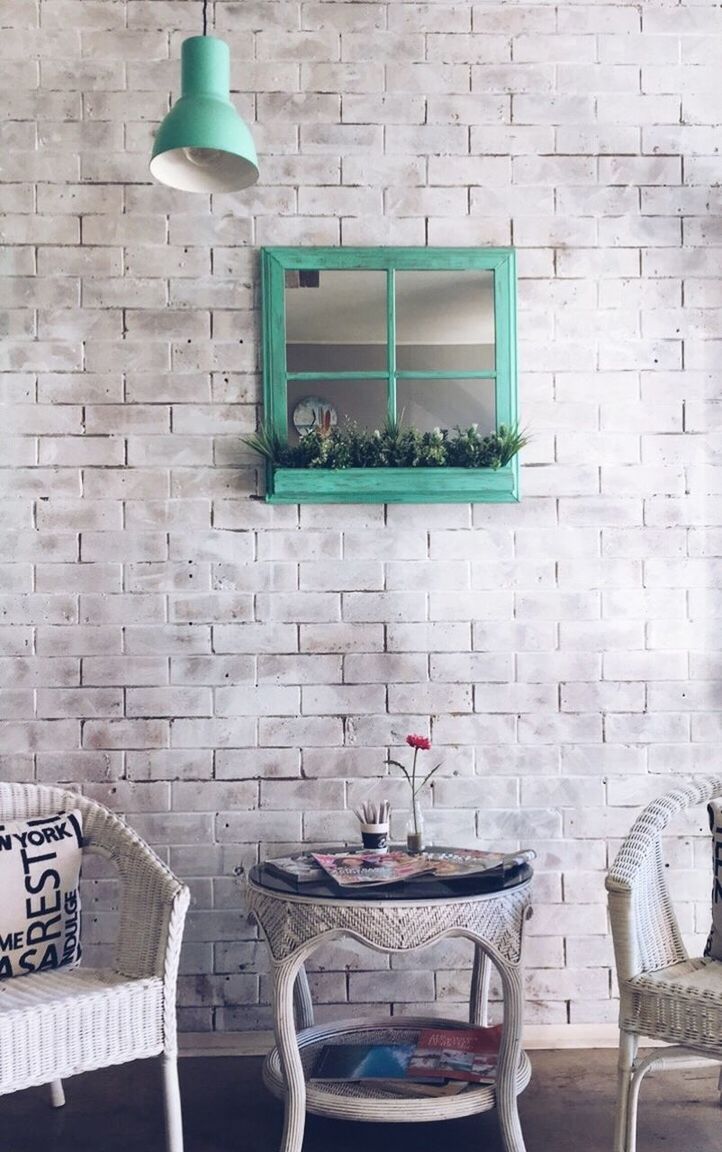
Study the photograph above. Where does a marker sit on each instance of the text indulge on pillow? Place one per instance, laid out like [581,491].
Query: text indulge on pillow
[39,900]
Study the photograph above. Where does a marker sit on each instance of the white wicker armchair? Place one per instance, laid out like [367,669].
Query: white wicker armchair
[664,995]
[57,1024]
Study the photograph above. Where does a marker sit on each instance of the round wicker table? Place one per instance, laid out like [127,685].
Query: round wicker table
[296,921]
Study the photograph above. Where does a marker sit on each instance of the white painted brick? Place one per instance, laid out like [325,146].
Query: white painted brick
[299,732]
[460,606]
[662,728]
[385,668]
[602,636]
[644,665]
[123,734]
[555,605]
[435,698]
[147,546]
[368,607]
[209,608]
[515,698]
[494,637]
[436,637]
[215,733]
[84,577]
[552,667]
[78,640]
[168,702]
[170,638]
[245,700]
[583,728]
[342,576]
[238,764]
[211,669]
[599,574]
[641,543]
[639,604]
[340,763]
[121,609]
[150,577]
[465,667]
[608,697]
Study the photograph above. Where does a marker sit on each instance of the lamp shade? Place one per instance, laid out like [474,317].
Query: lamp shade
[203,145]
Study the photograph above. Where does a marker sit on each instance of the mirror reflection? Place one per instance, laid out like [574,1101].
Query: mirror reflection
[319,405]
[335,320]
[429,404]
[445,320]
[337,338]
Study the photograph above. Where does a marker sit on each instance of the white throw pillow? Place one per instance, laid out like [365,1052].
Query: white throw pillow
[39,899]
[714,941]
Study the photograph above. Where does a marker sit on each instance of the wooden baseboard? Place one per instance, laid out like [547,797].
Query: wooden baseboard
[536,1036]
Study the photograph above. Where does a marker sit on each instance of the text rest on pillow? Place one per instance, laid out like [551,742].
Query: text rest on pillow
[40,863]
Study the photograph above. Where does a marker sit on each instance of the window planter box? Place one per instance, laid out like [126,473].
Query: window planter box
[393,485]
[391,378]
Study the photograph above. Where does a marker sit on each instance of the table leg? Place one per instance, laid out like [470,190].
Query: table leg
[285,976]
[509,1057]
[479,997]
[302,1000]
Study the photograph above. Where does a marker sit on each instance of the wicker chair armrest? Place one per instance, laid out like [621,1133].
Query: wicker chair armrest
[644,837]
[153,909]
[153,902]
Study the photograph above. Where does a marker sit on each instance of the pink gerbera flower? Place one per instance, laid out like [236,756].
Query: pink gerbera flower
[419,742]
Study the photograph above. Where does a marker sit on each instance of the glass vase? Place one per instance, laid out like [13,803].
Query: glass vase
[415,828]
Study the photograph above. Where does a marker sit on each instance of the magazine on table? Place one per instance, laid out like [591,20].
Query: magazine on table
[363,869]
[359,869]
[303,869]
[455,863]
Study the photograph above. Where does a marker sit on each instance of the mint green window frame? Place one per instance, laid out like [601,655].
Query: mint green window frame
[388,485]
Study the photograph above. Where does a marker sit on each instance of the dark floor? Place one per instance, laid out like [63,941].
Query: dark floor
[568,1107]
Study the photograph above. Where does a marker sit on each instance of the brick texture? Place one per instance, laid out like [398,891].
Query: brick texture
[231,674]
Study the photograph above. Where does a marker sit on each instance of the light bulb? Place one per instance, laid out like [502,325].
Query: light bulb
[202,157]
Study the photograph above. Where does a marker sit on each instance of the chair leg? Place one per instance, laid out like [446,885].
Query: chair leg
[172,1101]
[627,1052]
[57,1095]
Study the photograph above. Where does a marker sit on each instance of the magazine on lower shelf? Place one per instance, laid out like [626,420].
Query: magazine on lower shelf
[438,1056]
[363,1062]
[412,1088]
[457,1054]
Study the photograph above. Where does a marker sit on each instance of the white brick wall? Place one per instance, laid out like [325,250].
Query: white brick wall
[230,674]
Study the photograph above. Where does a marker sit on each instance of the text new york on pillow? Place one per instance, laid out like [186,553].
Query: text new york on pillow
[40,863]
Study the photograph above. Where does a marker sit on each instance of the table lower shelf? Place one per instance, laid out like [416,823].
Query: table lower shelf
[367,1102]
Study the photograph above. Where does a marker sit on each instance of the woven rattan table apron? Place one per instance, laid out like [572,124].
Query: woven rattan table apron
[296,921]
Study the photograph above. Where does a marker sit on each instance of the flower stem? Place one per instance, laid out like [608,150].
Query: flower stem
[413,794]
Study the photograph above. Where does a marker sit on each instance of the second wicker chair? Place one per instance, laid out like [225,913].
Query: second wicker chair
[664,994]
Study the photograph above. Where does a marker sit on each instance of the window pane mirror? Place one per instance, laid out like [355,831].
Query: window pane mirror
[357,341]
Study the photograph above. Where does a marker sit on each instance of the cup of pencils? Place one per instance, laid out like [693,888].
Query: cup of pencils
[374,821]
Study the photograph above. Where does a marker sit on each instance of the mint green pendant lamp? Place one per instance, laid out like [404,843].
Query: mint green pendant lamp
[203,145]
